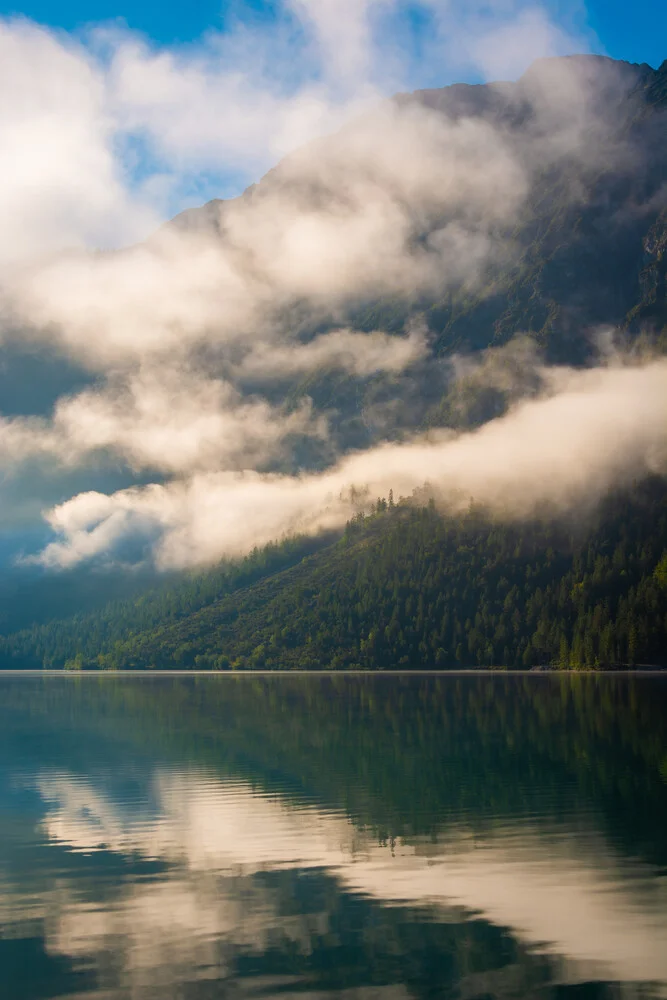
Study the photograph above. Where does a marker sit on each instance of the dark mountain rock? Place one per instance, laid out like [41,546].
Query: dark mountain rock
[572,263]
[584,252]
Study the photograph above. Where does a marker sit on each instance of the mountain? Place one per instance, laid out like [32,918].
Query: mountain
[403,588]
[583,250]
[588,245]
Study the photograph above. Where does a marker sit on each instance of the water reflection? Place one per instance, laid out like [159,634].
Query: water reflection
[193,838]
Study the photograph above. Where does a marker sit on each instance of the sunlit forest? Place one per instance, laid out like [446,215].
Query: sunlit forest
[405,587]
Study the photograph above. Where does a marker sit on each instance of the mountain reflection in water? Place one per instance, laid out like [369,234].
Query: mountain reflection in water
[468,836]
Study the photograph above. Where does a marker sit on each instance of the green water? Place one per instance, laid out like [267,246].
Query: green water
[306,836]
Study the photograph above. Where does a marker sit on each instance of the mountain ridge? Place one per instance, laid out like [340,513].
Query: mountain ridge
[577,262]
[406,587]
[574,265]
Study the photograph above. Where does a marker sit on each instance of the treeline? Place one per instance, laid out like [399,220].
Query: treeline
[404,588]
[85,634]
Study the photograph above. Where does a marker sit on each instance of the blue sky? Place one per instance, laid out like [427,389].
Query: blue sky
[636,32]
[633,31]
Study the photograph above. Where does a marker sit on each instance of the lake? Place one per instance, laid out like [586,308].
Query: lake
[365,836]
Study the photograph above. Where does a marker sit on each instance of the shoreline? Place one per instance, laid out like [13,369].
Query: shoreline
[467,672]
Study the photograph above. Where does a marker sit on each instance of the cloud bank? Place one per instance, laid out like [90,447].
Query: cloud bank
[590,431]
[200,343]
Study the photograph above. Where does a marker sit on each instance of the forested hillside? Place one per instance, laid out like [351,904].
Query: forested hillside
[585,249]
[404,588]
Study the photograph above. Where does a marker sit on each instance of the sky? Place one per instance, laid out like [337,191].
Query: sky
[636,32]
[179,351]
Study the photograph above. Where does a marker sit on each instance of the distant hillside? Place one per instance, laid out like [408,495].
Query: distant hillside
[403,588]
[587,250]
[581,260]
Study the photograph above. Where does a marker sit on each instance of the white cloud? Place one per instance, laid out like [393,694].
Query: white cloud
[177,420]
[172,421]
[592,430]
[357,353]
[60,183]
[499,39]
[103,131]
[504,46]
[344,35]
[337,221]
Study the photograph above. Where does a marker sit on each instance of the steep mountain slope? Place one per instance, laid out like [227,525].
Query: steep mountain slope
[587,247]
[585,250]
[579,261]
[404,588]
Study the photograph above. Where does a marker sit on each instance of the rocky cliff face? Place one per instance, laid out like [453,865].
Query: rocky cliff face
[584,250]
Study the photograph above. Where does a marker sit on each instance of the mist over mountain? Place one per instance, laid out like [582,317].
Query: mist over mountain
[582,247]
[462,286]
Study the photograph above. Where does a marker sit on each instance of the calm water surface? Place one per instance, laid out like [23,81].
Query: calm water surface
[389,836]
